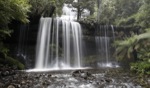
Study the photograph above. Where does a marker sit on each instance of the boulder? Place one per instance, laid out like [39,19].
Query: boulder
[82,74]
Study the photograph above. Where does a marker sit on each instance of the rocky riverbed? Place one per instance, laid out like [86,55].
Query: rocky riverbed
[94,78]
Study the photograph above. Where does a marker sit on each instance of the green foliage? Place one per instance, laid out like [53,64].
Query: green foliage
[12,62]
[11,10]
[125,47]
[129,13]
[114,11]
[82,5]
[125,12]
[142,17]
[144,52]
[5,33]
[59,5]
[140,43]
[141,67]
[3,50]
[90,21]
[40,6]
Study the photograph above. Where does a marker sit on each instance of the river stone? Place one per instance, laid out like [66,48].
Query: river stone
[108,80]
[45,83]
[23,82]
[80,73]
[1,85]
[11,86]
[148,81]
[6,73]
[49,75]
[76,73]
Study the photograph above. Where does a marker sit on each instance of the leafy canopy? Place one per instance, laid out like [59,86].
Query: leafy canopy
[82,5]
[11,10]
[135,14]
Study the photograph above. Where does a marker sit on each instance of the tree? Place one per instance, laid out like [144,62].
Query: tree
[82,5]
[138,45]
[117,11]
[40,7]
[47,7]
[11,10]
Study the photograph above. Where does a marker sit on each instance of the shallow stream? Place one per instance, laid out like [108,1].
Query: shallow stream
[68,79]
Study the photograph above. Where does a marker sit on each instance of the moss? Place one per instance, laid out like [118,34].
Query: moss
[12,62]
[142,67]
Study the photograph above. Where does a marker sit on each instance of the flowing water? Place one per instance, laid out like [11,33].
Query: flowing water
[59,47]
[104,38]
[58,44]
[22,43]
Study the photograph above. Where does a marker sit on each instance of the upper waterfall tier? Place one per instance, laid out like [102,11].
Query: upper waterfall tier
[69,13]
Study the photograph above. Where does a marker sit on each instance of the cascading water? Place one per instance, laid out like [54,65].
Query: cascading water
[104,37]
[72,43]
[59,42]
[22,43]
[50,53]
[42,49]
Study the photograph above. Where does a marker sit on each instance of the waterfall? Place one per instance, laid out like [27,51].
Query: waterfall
[104,38]
[22,43]
[58,44]
[43,40]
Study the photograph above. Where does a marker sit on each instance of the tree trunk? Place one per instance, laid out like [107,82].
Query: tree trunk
[49,12]
[78,11]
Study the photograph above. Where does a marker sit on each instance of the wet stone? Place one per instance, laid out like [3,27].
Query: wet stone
[23,82]
[148,81]
[108,80]
[1,85]
[16,85]
[6,73]
[49,75]
[11,86]
[46,83]
[82,74]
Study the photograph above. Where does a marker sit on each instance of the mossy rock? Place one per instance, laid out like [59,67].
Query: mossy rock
[12,62]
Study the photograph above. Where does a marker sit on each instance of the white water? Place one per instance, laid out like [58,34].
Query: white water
[43,41]
[104,38]
[50,53]
[69,13]
[22,43]
[59,42]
